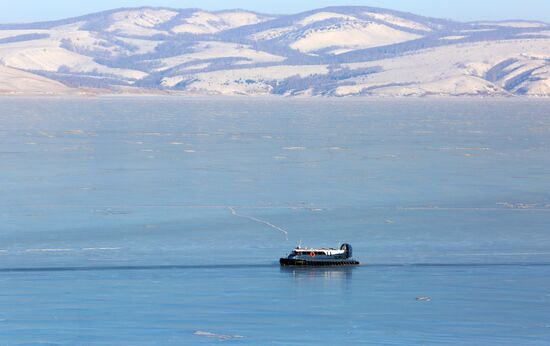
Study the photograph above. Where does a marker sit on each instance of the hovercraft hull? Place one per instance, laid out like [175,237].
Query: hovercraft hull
[285,262]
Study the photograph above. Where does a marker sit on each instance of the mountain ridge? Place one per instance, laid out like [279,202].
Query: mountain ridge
[331,51]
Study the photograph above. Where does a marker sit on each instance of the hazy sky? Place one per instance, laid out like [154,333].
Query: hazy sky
[465,10]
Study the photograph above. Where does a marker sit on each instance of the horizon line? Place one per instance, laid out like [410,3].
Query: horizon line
[115,9]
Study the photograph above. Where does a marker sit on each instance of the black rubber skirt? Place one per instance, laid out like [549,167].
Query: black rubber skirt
[305,263]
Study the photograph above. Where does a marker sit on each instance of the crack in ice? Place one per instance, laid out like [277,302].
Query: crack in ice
[267,223]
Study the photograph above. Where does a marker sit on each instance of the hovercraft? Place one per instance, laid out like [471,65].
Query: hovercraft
[320,257]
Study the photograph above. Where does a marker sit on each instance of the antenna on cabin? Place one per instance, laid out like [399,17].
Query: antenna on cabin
[300,244]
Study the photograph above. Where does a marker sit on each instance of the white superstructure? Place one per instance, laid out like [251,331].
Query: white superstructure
[320,256]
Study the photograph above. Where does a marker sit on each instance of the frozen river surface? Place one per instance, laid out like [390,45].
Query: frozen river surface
[158,221]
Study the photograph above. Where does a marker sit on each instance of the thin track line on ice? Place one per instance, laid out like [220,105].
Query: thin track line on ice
[267,223]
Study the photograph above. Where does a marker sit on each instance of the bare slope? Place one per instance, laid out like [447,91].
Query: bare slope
[13,81]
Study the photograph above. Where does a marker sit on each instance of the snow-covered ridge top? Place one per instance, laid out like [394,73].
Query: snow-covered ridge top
[398,21]
[139,22]
[516,24]
[146,18]
[202,22]
[322,16]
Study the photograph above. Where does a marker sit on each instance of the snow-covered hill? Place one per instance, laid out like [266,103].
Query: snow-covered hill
[335,51]
[13,81]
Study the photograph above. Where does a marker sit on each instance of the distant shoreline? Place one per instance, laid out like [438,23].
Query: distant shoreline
[275,98]
[176,95]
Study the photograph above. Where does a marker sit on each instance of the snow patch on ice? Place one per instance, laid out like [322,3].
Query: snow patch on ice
[49,250]
[220,337]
